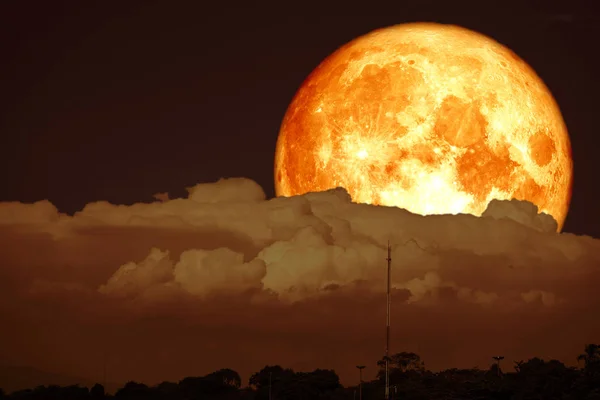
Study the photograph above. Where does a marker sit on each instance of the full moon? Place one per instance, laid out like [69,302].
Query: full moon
[432,118]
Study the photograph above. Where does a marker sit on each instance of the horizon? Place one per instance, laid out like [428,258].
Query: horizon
[113,387]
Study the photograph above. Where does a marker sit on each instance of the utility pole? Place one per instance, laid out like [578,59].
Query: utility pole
[360,368]
[387,325]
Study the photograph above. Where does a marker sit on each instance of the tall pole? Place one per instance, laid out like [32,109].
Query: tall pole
[270,373]
[387,325]
[104,371]
[360,368]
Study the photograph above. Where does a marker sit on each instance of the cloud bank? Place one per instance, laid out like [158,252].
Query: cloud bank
[227,278]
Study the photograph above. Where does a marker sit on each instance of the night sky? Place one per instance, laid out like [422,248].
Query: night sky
[117,103]
[106,104]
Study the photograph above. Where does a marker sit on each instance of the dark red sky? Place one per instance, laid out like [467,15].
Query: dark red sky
[117,103]
[103,102]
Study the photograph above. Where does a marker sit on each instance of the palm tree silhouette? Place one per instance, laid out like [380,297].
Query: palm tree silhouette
[590,355]
[518,365]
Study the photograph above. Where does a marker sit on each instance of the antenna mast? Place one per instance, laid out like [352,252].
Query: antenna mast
[387,325]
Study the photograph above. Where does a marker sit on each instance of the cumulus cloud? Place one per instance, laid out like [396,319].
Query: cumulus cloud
[203,272]
[523,212]
[25,214]
[227,276]
[133,278]
[227,190]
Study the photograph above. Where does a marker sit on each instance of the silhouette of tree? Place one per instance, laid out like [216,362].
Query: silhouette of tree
[518,365]
[325,380]
[588,384]
[97,391]
[590,356]
[192,387]
[285,383]
[218,383]
[168,390]
[308,385]
[133,390]
[545,378]
[401,362]
[227,377]
[52,392]
[21,394]
[534,379]
[274,373]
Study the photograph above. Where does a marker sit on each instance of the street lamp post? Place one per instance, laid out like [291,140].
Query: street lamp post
[360,368]
[498,359]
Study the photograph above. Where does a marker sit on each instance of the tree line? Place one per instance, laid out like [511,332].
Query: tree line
[408,379]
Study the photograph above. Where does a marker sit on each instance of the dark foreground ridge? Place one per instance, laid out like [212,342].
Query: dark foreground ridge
[532,379]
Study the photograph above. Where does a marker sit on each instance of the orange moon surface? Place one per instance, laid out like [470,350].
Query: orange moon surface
[432,118]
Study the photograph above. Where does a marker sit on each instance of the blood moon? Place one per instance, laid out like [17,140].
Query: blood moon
[433,118]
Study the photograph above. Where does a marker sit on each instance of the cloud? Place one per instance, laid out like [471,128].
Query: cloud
[26,214]
[133,278]
[227,190]
[523,212]
[164,196]
[227,278]
[202,272]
